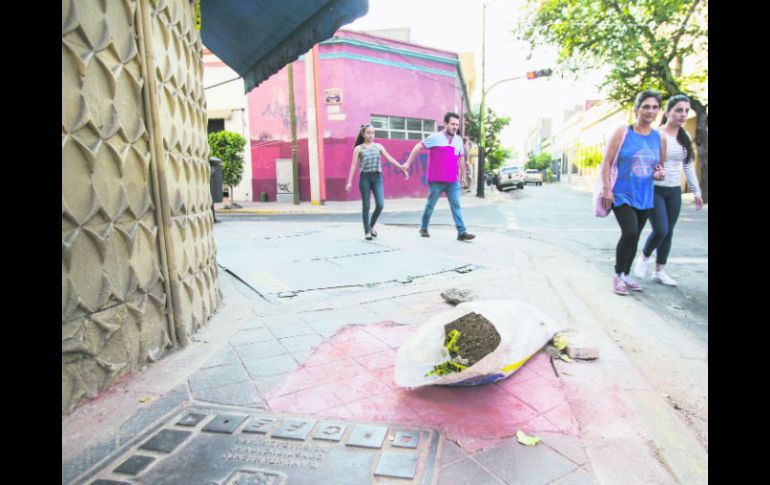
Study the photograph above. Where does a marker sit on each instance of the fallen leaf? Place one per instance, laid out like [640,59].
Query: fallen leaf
[564,372]
[144,399]
[566,358]
[526,440]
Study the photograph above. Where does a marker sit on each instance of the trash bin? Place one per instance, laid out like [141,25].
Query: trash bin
[217,175]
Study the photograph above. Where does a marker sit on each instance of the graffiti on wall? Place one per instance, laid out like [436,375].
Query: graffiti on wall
[281,112]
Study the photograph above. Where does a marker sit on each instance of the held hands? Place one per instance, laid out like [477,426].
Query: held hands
[659,173]
[404,169]
[348,186]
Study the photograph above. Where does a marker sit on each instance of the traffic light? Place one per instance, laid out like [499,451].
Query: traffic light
[540,73]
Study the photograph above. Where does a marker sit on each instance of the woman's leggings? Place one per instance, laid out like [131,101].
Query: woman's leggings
[668,204]
[371,182]
[631,221]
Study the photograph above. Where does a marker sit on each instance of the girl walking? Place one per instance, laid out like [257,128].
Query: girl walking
[640,149]
[368,153]
[668,193]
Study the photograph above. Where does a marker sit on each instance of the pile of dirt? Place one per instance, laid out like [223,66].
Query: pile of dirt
[478,337]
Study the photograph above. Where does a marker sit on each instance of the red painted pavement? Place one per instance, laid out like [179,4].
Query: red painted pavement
[351,377]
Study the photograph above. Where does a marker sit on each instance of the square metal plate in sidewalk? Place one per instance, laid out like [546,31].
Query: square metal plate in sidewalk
[406,439]
[135,465]
[295,429]
[166,440]
[397,464]
[299,450]
[191,419]
[330,431]
[367,436]
[225,423]
[259,425]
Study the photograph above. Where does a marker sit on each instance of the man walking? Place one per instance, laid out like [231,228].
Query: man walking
[446,149]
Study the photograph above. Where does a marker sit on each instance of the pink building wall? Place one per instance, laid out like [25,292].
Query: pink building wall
[367,89]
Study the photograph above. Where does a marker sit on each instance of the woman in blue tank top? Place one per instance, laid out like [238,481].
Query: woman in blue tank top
[631,196]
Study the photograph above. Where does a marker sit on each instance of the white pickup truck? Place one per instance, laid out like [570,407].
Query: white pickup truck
[509,177]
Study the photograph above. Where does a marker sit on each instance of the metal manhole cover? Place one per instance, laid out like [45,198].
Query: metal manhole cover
[271,449]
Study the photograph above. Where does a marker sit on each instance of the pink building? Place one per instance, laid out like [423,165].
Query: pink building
[403,89]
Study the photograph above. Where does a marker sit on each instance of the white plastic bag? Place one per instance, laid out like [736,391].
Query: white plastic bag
[523,331]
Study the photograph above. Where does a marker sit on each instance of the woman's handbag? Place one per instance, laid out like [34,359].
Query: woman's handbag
[599,184]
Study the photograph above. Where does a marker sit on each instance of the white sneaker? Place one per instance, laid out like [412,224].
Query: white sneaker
[662,277]
[640,268]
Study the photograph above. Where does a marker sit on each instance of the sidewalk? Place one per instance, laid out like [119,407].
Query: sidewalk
[469,199]
[326,355]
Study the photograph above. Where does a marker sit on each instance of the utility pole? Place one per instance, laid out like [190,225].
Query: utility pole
[482,145]
[293,118]
[312,133]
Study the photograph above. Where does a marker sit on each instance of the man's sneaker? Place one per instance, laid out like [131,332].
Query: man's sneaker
[631,284]
[368,236]
[466,236]
[619,285]
[424,233]
[664,278]
[640,268]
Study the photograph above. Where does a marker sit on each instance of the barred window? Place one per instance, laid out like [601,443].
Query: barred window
[401,128]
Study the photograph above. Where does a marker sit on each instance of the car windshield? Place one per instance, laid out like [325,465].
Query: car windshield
[509,169]
[532,171]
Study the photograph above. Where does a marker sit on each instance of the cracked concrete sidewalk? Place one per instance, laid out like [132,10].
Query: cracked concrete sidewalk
[256,348]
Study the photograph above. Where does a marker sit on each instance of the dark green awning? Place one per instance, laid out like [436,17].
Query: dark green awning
[256,38]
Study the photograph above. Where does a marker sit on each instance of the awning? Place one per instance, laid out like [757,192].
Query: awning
[257,38]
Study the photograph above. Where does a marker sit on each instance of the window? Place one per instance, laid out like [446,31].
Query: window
[216,125]
[400,128]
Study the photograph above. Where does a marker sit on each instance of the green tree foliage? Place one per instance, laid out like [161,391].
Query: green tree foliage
[228,147]
[541,161]
[497,158]
[588,156]
[494,154]
[640,43]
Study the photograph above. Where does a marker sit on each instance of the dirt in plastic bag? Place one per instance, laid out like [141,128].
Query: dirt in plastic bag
[478,337]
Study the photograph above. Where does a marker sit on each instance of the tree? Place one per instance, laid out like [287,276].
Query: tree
[228,147]
[643,43]
[588,156]
[493,126]
[497,158]
[541,161]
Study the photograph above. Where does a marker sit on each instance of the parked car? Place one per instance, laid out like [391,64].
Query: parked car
[510,177]
[533,177]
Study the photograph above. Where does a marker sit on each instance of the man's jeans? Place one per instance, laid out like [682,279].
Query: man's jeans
[453,195]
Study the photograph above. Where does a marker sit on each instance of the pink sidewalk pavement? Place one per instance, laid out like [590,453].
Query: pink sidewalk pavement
[351,377]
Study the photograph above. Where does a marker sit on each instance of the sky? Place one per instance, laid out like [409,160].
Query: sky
[456,25]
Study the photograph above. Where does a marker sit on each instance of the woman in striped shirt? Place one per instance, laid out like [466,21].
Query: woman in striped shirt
[368,152]
[668,193]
